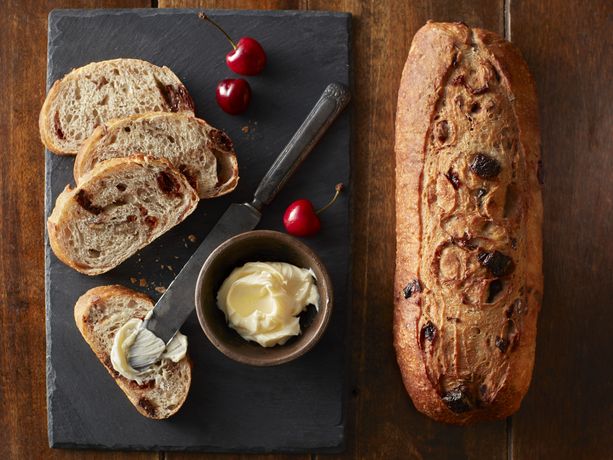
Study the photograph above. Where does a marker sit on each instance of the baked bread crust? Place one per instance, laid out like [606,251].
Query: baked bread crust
[205,155]
[468,282]
[98,314]
[119,207]
[97,92]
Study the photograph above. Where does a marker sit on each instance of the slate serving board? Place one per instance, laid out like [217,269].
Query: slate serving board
[231,407]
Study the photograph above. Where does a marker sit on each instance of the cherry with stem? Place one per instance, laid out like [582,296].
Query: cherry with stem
[301,218]
[247,57]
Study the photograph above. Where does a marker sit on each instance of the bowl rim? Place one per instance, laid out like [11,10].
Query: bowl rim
[325,310]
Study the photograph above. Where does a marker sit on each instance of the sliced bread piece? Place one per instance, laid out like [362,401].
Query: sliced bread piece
[91,95]
[99,313]
[118,208]
[202,153]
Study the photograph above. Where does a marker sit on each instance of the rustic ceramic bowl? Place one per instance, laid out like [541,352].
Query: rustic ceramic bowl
[262,246]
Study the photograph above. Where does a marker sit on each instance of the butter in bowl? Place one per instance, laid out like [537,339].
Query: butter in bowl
[263,298]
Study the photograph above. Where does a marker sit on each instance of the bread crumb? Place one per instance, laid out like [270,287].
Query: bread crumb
[142,282]
[160,289]
[133,280]
[245,129]
[192,238]
[169,267]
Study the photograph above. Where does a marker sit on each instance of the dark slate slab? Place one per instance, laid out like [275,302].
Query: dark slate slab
[231,407]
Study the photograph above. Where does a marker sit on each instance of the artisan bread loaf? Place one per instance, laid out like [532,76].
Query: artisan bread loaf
[119,207]
[202,153]
[91,95]
[99,313]
[468,282]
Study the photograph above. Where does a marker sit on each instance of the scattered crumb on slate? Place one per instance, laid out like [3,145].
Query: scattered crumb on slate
[176,257]
[160,289]
[169,267]
[192,238]
[133,280]
[142,282]
[245,129]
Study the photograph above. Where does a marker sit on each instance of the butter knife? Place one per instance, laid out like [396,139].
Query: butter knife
[177,303]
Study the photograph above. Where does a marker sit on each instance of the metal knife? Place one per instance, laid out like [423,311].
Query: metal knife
[177,303]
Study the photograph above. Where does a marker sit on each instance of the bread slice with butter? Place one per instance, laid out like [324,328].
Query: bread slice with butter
[203,154]
[99,314]
[100,91]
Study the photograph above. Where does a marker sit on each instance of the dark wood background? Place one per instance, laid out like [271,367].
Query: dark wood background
[568,412]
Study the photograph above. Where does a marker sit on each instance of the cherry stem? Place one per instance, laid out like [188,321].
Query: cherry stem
[203,15]
[339,188]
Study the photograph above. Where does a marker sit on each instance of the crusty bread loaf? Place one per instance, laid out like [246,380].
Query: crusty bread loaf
[202,153]
[99,313]
[469,279]
[119,207]
[91,95]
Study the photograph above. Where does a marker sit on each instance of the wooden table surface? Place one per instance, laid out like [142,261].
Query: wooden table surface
[568,412]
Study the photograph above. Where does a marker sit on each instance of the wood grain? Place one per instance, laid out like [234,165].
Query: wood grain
[567,413]
[235,4]
[568,410]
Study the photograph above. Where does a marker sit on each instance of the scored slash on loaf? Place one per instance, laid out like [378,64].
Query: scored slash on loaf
[469,278]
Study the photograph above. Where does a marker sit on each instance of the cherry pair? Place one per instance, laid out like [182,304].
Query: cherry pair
[247,57]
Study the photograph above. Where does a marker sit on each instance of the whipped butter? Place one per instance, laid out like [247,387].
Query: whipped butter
[262,300]
[149,344]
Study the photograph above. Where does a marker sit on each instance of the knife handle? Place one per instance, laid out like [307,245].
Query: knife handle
[331,103]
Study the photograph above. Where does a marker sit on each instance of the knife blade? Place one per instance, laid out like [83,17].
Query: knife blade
[177,303]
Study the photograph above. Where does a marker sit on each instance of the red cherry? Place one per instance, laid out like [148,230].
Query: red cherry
[301,219]
[247,56]
[233,95]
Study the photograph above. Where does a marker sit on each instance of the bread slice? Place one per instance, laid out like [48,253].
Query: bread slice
[91,95]
[118,208]
[99,313]
[202,153]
